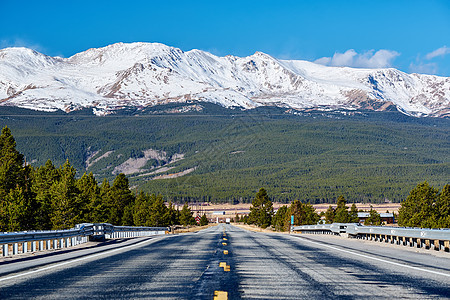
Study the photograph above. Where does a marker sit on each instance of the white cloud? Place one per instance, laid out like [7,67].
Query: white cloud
[20,43]
[323,61]
[370,59]
[423,68]
[438,52]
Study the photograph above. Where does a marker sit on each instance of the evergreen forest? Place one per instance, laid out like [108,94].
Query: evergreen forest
[226,155]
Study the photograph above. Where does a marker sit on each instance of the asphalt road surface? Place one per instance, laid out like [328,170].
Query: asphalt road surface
[244,264]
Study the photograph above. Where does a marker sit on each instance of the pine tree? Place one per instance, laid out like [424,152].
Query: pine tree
[88,197]
[141,209]
[171,215]
[13,211]
[203,220]
[341,213]
[11,164]
[280,218]
[42,179]
[261,211]
[419,209]
[329,215]
[17,202]
[100,209]
[374,218]
[186,217]
[353,216]
[304,213]
[158,212]
[237,219]
[127,217]
[443,208]
[64,193]
[120,202]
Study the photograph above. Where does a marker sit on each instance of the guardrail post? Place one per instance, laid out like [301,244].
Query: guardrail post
[5,248]
[436,245]
[25,247]
[15,248]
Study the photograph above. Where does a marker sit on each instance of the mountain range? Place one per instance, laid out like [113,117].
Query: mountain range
[139,75]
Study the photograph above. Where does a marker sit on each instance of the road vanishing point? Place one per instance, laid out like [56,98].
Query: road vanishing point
[228,262]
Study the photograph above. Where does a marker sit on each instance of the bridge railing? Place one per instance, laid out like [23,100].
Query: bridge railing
[13,243]
[437,239]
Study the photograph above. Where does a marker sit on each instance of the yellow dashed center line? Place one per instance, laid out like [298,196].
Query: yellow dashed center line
[220,295]
[225,267]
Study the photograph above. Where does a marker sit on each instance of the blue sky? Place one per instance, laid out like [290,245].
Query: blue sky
[413,36]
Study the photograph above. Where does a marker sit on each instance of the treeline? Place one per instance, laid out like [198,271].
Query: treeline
[425,207]
[365,159]
[262,215]
[48,197]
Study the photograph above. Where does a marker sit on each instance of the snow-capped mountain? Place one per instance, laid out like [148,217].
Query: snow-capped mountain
[143,74]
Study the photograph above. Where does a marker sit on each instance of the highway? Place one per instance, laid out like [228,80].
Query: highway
[225,258]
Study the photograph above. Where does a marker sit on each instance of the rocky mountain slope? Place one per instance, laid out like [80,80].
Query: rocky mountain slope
[146,74]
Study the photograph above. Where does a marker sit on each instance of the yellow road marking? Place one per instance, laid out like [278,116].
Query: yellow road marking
[224,244]
[225,252]
[225,267]
[220,295]
[224,239]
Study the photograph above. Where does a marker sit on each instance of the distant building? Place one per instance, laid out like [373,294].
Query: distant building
[221,213]
[387,218]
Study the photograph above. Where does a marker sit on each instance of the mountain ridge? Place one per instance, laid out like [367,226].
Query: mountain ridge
[146,74]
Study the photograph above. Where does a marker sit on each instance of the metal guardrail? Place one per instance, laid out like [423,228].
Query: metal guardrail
[438,239]
[335,228]
[31,241]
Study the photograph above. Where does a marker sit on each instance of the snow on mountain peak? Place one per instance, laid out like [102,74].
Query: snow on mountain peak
[142,74]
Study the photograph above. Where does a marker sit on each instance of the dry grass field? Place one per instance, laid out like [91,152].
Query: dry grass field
[244,208]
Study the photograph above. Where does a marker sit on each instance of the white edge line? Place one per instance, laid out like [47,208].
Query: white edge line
[74,261]
[375,258]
